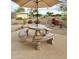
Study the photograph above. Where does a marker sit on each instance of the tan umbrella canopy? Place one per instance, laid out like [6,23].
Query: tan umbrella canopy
[33,4]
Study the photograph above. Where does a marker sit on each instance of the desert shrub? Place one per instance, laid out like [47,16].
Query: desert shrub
[19,18]
[30,22]
[36,22]
[37,15]
[63,17]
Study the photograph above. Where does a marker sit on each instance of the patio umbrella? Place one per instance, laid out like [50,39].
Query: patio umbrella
[36,4]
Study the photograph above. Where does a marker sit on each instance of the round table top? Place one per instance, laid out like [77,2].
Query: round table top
[39,27]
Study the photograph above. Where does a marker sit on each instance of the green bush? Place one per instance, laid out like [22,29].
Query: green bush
[63,17]
[19,18]
[37,15]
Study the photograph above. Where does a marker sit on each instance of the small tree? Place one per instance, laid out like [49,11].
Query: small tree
[49,13]
[31,14]
[20,9]
[35,11]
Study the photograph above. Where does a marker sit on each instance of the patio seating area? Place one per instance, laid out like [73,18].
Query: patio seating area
[36,35]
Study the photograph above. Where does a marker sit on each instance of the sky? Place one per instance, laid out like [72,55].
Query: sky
[55,9]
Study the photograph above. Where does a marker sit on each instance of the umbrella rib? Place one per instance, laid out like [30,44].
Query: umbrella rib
[46,3]
[25,3]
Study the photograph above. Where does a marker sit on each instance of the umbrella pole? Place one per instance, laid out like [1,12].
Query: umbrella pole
[37,18]
[37,11]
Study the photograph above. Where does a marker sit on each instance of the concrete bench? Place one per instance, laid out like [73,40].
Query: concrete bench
[49,37]
[23,33]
